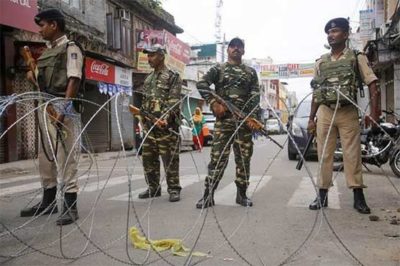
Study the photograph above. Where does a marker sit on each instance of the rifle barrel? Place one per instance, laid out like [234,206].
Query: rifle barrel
[308,145]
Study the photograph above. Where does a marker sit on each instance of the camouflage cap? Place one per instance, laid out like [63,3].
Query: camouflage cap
[337,23]
[236,41]
[48,14]
[155,48]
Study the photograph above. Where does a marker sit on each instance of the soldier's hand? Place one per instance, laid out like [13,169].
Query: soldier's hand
[60,118]
[253,124]
[218,109]
[311,127]
[161,123]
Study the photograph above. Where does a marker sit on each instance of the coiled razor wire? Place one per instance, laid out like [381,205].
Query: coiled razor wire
[4,103]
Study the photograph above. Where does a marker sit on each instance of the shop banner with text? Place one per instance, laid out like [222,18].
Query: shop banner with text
[178,52]
[285,71]
[19,14]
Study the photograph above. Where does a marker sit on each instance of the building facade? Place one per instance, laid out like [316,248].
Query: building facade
[382,47]
[107,30]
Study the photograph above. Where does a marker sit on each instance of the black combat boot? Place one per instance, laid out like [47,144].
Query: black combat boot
[207,200]
[174,195]
[359,201]
[241,197]
[70,211]
[208,197]
[48,205]
[150,193]
[323,199]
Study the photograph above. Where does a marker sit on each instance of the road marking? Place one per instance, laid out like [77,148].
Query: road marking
[112,181]
[29,186]
[17,179]
[185,181]
[23,178]
[227,195]
[305,194]
[89,187]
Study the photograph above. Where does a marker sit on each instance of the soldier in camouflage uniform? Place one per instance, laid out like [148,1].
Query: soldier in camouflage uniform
[237,83]
[161,96]
[339,74]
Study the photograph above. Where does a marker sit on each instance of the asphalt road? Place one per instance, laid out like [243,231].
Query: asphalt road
[278,229]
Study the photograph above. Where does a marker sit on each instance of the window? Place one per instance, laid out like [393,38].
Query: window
[126,39]
[119,29]
[73,3]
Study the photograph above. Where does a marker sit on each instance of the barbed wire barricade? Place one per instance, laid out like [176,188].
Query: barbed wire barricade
[88,232]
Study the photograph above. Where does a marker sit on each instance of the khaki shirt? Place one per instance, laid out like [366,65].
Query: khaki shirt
[74,57]
[366,72]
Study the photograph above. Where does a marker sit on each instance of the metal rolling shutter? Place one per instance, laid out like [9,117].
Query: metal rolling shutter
[125,123]
[96,137]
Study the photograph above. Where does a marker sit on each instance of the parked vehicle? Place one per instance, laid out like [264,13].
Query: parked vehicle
[210,123]
[185,133]
[379,147]
[297,128]
[272,126]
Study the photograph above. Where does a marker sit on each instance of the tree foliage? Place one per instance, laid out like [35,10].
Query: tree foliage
[156,5]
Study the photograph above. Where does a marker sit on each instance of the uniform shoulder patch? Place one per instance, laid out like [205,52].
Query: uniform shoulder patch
[165,75]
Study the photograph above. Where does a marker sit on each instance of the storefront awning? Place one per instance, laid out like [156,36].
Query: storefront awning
[111,79]
[108,73]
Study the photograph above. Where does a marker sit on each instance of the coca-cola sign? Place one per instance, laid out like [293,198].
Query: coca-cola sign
[99,70]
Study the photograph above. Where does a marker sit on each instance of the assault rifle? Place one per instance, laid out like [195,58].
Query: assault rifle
[308,145]
[239,114]
[51,112]
[136,111]
[31,63]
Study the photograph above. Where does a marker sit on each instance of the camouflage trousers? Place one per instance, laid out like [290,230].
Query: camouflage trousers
[165,144]
[220,150]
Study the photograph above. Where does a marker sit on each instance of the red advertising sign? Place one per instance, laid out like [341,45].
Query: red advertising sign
[99,70]
[176,48]
[19,14]
[178,51]
[147,38]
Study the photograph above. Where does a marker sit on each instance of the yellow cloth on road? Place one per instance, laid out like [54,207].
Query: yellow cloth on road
[175,245]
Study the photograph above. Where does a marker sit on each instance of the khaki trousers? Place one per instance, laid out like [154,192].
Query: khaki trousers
[58,157]
[347,125]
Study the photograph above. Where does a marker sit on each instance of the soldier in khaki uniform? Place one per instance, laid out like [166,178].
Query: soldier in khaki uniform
[59,74]
[340,70]
[237,83]
[161,100]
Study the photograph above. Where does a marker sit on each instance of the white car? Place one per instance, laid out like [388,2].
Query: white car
[272,126]
[185,132]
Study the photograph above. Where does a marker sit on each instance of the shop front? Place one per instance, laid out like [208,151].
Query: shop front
[105,112]
[19,141]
